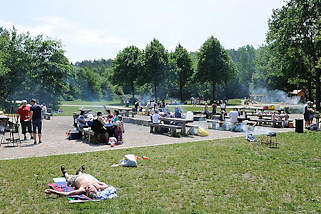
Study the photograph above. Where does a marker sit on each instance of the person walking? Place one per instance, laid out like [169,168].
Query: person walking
[36,120]
[23,112]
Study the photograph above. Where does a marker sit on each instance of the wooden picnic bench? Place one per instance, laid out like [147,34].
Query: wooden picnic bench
[124,111]
[155,128]
[274,123]
[177,120]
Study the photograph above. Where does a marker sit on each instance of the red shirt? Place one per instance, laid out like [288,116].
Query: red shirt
[24,112]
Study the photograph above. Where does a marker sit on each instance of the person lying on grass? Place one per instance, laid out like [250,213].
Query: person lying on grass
[84,184]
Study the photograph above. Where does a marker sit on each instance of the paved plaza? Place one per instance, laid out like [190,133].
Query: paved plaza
[56,143]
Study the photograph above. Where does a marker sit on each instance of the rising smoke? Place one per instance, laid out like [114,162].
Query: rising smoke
[275,96]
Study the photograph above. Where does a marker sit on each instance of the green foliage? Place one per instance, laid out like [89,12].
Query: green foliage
[155,64]
[182,67]
[293,38]
[32,67]
[127,66]
[214,65]
[90,80]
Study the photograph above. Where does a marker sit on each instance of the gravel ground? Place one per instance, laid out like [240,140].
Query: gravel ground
[55,142]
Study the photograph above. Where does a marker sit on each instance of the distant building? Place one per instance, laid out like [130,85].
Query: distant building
[299,93]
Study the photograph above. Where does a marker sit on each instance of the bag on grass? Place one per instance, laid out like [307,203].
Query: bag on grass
[202,132]
[129,161]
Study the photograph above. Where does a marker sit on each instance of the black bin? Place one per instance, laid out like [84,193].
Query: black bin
[299,125]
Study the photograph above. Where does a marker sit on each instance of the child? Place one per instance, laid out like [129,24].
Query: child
[119,129]
[286,121]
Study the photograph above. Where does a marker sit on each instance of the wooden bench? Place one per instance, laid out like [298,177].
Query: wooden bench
[274,123]
[155,128]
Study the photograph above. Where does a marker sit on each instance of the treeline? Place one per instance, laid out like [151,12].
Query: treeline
[291,59]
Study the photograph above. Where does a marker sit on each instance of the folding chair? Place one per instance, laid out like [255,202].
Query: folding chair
[3,126]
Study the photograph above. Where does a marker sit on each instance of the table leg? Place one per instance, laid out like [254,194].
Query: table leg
[184,128]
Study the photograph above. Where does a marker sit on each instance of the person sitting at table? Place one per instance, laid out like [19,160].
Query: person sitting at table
[286,121]
[155,117]
[206,111]
[234,114]
[98,126]
[90,119]
[82,123]
[274,117]
[116,115]
[109,115]
[178,112]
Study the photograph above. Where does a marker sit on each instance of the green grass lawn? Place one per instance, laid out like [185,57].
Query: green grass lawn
[69,110]
[101,102]
[221,176]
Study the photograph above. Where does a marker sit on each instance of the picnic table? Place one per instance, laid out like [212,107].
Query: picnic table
[177,120]
[122,110]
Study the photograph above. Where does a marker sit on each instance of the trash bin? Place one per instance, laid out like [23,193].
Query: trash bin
[299,125]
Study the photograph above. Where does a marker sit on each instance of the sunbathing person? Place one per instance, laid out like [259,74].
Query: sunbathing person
[84,184]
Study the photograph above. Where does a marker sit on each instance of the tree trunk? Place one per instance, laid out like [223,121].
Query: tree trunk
[181,92]
[317,88]
[309,96]
[213,87]
[155,88]
[133,89]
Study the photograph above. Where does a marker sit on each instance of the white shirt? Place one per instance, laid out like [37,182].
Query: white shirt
[223,106]
[155,118]
[233,116]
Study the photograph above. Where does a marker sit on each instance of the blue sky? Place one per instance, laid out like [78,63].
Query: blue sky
[100,29]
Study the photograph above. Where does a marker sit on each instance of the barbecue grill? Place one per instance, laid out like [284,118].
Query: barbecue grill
[271,139]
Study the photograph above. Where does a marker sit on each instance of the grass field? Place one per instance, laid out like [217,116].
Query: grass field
[222,176]
[82,102]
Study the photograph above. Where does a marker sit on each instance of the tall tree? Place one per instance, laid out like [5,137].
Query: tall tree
[127,66]
[155,64]
[36,67]
[214,65]
[183,67]
[294,29]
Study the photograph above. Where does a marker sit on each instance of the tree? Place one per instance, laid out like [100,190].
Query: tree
[183,67]
[214,64]
[155,64]
[293,32]
[127,66]
[34,67]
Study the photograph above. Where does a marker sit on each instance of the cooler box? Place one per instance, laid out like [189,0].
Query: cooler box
[74,134]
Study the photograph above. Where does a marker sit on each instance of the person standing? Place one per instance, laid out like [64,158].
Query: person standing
[23,112]
[214,106]
[36,119]
[308,114]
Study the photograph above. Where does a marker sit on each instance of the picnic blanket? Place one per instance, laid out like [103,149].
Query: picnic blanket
[61,185]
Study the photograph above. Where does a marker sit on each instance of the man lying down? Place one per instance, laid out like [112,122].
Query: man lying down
[84,184]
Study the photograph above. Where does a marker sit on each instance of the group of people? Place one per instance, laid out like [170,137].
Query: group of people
[30,117]
[308,114]
[110,125]
[215,104]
